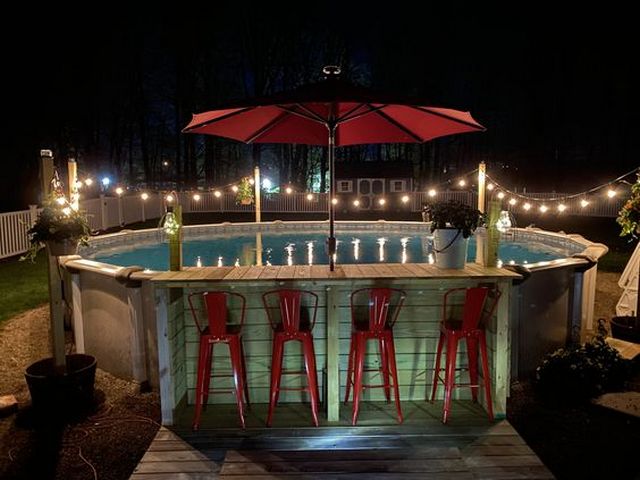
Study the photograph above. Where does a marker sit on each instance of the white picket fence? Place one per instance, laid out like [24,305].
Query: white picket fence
[108,212]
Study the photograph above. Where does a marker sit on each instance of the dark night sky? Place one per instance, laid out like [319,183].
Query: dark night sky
[557,91]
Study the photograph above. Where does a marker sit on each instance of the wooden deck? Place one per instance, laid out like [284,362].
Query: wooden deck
[470,447]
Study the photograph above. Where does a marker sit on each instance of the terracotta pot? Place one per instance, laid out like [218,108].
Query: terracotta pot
[246,201]
[65,247]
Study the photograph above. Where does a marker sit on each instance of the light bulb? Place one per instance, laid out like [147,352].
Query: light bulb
[500,195]
[79,184]
[61,200]
[309,196]
[405,199]
[106,181]
[462,182]
[119,191]
[144,196]
[288,190]
[562,207]
[584,203]
[66,211]
[611,193]
[491,186]
[382,201]
[217,194]
[432,192]
[513,201]
[196,197]
[543,208]
[527,206]
[334,201]
[234,189]
[356,203]
[252,181]
[88,182]
[169,198]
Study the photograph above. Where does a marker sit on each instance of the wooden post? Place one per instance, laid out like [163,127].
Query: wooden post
[46,173]
[493,235]
[482,179]
[56,312]
[167,403]
[256,186]
[333,356]
[103,212]
[501,373]
[258,248]
[33,214]
[78,321]
[72,175]
[175,243]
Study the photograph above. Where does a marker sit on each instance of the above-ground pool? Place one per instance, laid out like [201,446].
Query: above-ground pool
[389,243]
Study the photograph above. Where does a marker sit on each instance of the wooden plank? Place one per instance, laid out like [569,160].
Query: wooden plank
[195,466]
[164,356]
[501,374]
[503,461]
[332,358]
[236,273]
[264,456]
[303,271]
[253,272]
[173,456]
[287,272]
[173,476]
[269,272]
[214,273]
[356,476]
[512,472]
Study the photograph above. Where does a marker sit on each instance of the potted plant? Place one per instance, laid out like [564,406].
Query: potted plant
[452,223]
[628,327]
[245,192]
[59,387]
[59,228]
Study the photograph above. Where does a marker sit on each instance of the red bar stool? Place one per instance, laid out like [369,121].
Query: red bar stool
[373,313]
[216,330]
[479,305]
[295,321]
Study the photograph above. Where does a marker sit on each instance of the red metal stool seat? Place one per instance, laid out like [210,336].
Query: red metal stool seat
[218,330]
[373,313]
[289,324]
[479,304]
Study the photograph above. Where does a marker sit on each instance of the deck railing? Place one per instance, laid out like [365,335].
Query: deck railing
[108,211]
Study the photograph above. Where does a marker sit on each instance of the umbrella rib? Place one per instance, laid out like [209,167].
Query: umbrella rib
[292,111]
[350,112]
[394,122]
[264,129]
[372,109]
[223,117]
[477,126]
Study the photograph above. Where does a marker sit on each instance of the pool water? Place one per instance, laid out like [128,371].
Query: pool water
[299,248]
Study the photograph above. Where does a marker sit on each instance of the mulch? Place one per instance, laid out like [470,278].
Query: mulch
[106,445]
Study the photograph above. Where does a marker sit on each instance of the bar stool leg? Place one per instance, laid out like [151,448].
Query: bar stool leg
[276,371]
[244,375]
[452,347]
[200,383]
[390,350]
[208,369]
[384,362]
[472,356]
[352,352]
[312,378]
[236,365]
[486,379]
[436,371]
[358,370]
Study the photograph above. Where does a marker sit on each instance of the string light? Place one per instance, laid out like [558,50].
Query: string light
[611,193]
[169,198]
[144,196]
[491,186]
[543,208]
[562,207]
[382,201]
[196,197]
[288,190]
[334,201]
[309,196]
[106,181]
[512,201]
[500,195]
[356,203]
[432,192]
[217,194]
[79,184]
[119,191]
[462,182]
[405,199]
[584,203]
[234,188]
[527,206]
[252,181]
[88,182]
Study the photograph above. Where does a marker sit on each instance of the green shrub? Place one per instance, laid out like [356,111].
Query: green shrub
[581,372]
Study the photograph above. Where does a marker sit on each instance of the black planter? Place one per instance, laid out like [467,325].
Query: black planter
[65,394]
[626,328]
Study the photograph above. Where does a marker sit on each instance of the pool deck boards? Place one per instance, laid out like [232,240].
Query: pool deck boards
[469,447]
[321,272]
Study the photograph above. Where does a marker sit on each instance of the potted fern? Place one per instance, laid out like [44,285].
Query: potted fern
[452,223]
[245,192]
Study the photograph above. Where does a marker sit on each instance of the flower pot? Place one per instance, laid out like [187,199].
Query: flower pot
[246,201]
[68,393]
[450,248]
[626,328]
[64,247]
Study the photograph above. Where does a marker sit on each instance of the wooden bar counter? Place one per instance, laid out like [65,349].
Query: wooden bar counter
[416,331]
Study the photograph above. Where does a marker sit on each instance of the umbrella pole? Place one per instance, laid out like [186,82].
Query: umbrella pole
[332,194]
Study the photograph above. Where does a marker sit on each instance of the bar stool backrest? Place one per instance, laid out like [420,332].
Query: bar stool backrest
[383,306]
[478,308]
[292,305]
[216,307]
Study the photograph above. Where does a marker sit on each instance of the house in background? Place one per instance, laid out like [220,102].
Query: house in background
[370,181]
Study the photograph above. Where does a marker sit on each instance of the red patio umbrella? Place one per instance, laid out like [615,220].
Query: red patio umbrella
[332,113]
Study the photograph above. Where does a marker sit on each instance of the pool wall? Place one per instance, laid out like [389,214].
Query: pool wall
[115,307]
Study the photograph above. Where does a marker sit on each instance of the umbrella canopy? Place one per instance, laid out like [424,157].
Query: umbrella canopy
[332,113]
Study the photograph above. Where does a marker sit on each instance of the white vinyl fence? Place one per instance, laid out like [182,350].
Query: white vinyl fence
[108,212]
